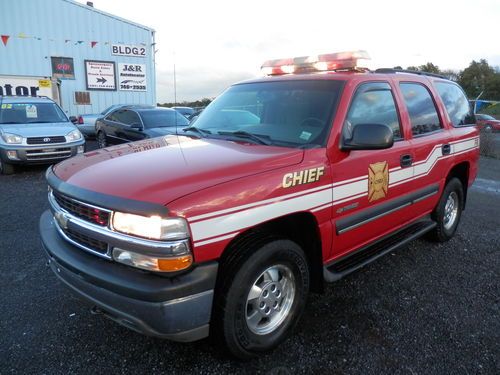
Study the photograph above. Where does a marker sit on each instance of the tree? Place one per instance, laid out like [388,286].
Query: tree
[480,77]
[429,68]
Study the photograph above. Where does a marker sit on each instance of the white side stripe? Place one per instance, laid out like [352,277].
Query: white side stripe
[224,224]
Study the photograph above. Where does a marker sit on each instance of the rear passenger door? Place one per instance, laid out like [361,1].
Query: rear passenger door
[430,141]
[369,198]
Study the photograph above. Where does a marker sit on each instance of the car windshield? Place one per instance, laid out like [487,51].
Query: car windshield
[160,118]
[286,113]
[31,113]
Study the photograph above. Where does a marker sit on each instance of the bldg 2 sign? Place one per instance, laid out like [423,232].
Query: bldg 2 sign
[128,50]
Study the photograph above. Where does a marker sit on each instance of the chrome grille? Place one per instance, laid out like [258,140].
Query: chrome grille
[83,211]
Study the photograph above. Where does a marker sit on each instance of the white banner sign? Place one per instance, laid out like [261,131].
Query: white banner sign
[132,77]
[128,50]
[100,75]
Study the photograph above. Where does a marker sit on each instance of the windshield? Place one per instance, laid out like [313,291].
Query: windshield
[160,118]
[31,113]
[286,113]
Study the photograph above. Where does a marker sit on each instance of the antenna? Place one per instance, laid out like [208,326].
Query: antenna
[175,84]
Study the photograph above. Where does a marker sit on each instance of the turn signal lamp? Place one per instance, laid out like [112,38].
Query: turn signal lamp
[320,63]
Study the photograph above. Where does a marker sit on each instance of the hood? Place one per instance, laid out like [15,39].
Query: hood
[39,130]
[160,170]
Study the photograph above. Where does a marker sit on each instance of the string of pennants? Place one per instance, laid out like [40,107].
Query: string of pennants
[92,43]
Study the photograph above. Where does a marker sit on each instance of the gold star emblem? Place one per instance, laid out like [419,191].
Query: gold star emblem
[378,180]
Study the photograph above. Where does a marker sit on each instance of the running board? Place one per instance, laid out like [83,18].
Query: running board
[342,267]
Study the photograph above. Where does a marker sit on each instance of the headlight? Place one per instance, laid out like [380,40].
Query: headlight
[74,135]
[153,227]
[12,138]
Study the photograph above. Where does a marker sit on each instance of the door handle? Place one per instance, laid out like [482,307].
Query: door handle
[406,160]
[446,149]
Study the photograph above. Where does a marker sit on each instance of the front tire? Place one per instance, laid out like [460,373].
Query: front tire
[261,296]
[102,142]
[6,168]
[448,211]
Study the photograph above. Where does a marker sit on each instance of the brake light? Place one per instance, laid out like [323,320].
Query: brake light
[80,120]
[320,63]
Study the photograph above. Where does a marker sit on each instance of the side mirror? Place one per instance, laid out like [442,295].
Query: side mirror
[136,126]
[369,137]
[73,119]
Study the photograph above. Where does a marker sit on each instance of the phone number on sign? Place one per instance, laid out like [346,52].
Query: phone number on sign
[133,87]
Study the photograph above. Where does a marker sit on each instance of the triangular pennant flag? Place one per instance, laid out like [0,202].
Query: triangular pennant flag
[66,40]
[5,39]
[92,44]
[22,36]
[78,42]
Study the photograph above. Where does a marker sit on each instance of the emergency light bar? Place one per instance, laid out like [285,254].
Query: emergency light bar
[319,63]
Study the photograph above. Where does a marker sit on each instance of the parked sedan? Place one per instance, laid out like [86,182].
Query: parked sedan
[86,123]
[133,123]
[487,122]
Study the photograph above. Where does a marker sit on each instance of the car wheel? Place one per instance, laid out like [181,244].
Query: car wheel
[101,140]
[6,168]
[448,211]
[261,296]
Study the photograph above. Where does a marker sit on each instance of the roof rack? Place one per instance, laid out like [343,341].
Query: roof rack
[391,70]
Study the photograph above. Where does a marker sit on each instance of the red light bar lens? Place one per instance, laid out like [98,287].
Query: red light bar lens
[304,64]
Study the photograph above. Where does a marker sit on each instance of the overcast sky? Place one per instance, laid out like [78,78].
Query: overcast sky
[219,42]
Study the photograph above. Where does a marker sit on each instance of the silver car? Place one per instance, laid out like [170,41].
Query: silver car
[35,131]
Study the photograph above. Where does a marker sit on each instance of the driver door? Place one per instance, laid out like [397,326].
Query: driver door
[367,184]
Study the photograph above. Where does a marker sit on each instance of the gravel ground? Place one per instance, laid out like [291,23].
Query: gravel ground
[426,309]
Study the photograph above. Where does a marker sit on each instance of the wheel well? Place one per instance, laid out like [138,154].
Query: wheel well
[460,171]
[301,228]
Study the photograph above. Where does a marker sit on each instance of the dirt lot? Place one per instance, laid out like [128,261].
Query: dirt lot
[426,309]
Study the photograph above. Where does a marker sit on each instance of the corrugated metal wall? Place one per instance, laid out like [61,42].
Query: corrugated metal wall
[39,29]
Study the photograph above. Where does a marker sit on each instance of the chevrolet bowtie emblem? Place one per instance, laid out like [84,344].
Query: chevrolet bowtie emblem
[378,180]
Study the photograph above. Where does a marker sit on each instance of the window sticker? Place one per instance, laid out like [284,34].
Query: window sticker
[6,106]
[31,111]
[305,135]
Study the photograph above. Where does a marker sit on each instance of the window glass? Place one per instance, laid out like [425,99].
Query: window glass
[161,118]
[31,113]
[127,117]
[373,104]
[286,113]
[421,108]
[456,103]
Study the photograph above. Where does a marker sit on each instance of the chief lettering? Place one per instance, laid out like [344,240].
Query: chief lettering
[305,176]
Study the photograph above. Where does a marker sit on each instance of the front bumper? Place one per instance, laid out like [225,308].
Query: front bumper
[40,154]
[177,308]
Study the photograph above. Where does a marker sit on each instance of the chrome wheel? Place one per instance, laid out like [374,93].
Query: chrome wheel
[451,210]
[270,299]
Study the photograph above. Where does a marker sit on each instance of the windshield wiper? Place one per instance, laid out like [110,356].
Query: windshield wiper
[260,139]
[10,122]
[197,130]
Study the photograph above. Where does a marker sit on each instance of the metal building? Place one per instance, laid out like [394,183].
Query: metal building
[83,58]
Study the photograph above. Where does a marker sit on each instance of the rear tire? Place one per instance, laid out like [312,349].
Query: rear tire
[261,295]
[102,142]
[6,168]
[448,211]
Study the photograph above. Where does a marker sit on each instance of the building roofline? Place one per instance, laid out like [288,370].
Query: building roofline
[73,2]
